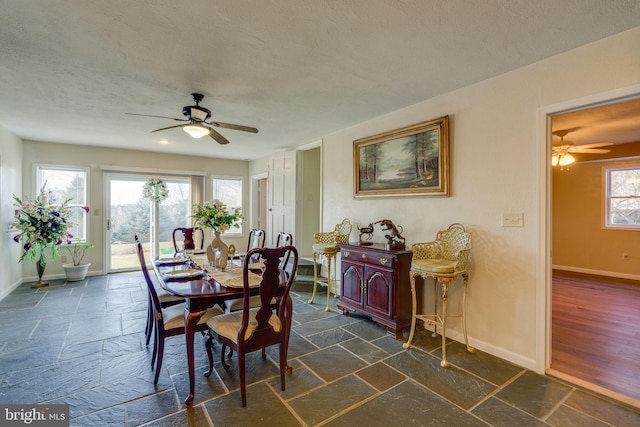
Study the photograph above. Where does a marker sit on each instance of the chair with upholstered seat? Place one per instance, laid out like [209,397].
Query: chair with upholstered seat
[256,240]
[326,247]
[443,260]
[188,241]
[284,239]
[166,299]
[167,322]
[255,329]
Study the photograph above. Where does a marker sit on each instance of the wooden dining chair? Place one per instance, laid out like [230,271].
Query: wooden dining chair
[167,322]
[188,238]
[284,239]
[255,329]
[166,300]
[256,240]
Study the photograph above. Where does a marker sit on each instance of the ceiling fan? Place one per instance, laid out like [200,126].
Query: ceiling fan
[561,151]
[196,122]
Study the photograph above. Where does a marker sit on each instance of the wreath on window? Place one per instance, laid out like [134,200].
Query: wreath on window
[155,190]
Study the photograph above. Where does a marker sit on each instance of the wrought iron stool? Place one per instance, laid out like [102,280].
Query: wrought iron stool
[444,260]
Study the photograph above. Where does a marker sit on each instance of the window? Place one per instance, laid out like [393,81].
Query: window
[623,197]
[67,183]
[229,191]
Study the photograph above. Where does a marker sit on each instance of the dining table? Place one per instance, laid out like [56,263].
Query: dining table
[202,287]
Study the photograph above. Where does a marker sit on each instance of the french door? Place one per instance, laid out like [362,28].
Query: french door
[129,213]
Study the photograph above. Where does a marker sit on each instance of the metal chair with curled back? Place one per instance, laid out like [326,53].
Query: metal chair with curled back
[326,247]
[444,260]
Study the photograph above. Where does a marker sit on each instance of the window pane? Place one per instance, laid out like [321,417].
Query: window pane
[624,212]
[625,183]
[229,192]
[67,184]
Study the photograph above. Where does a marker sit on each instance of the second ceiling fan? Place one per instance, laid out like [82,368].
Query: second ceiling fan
[196,122]
[561,151]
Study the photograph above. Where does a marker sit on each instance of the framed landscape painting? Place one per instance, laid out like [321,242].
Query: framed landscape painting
[412,161]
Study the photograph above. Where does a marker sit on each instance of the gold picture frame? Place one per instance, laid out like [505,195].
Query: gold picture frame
[408,162]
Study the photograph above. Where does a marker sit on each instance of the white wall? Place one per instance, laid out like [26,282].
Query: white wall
[495,169]
[10,184]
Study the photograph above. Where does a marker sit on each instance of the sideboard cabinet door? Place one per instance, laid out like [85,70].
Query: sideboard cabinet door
[375,281]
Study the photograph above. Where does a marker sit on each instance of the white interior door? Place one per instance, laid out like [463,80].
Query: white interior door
[282,201]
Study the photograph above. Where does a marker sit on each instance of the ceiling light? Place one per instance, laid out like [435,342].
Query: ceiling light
[196,131]
[554,160]
[163,141]
[565,160]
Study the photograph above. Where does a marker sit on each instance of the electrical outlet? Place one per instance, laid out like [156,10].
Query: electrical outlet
[63,258]
[513,220]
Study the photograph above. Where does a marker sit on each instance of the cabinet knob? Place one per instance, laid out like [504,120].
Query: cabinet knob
[364,256]
[346,254]
[384,261]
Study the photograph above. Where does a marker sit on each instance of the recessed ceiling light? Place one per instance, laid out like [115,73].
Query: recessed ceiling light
[163,141]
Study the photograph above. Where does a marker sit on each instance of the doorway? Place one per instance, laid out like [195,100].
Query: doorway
[581,249]
[129,213]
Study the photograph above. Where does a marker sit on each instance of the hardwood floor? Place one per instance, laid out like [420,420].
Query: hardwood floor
[596,330]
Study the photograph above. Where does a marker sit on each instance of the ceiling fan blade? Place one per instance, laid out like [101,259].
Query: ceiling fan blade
[590,151]
[232,126]
[170,127]
[594,145]
[159,117]
[219,138]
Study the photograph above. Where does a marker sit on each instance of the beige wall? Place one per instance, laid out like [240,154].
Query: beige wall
[580,241]
[10,184]
[497,166]
[92,157]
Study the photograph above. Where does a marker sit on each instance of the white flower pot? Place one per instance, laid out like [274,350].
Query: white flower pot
[75,272]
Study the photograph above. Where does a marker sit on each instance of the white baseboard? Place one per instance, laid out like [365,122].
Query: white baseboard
[516,359]
[59,276]
[596,272]
[11,288]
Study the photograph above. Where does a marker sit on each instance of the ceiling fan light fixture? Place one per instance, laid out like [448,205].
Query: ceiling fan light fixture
[554,160]
[565,160]
[196,131]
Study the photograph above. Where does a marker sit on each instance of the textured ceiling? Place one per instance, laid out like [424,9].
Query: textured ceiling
[295,69]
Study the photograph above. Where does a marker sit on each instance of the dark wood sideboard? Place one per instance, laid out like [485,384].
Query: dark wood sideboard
[375,281]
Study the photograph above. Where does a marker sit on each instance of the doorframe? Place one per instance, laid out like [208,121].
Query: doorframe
[544,258]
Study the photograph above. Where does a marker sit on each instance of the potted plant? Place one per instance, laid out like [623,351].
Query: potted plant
[76,270]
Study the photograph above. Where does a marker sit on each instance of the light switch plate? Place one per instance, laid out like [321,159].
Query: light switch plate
[513,220]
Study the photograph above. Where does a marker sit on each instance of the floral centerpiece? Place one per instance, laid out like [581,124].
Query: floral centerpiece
[155,190]
[216,215]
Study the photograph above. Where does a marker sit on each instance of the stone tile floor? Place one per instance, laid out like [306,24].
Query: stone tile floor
[82,344]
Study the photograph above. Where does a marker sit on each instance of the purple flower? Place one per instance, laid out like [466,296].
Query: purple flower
[27,246]
[16,238]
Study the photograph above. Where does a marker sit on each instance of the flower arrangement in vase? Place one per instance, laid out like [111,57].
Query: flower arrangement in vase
[41,224]
[216,215]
